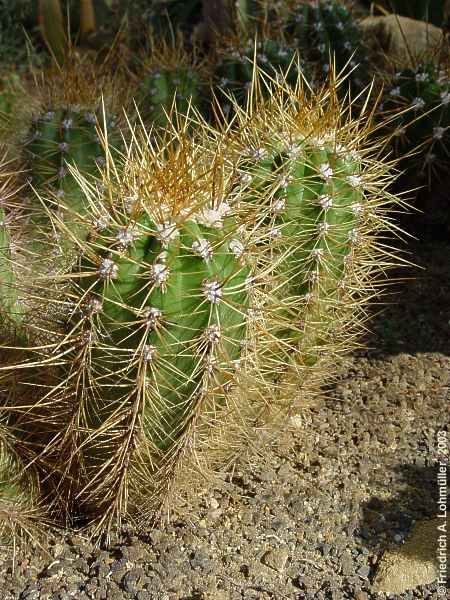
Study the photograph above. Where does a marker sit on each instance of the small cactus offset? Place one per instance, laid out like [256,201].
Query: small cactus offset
[233,74]
[171,78]
[325,31]
[421,97]
[60,125]
[62,137]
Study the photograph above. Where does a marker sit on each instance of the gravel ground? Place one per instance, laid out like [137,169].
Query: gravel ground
[310,518]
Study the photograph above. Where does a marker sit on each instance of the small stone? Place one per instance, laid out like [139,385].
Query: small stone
[363,571]
[276,559]
[412,564]
[200,560]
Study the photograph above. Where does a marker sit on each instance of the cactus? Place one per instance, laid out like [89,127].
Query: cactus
[62,137]
[234,71]
[421,98]
[62,126]
[171,78]
[326,30]
[22,516]
[319,184]
[218,273]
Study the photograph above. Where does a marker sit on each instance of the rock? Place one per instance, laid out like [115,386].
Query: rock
[200,560]
[410,565]
[276,559]
[363,571]
[347,565]
[388,34]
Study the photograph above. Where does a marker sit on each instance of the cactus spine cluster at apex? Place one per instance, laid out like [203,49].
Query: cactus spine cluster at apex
[198,286]
[423,96]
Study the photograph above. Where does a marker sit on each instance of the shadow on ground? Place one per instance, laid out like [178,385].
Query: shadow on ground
[387,522]
[415,313]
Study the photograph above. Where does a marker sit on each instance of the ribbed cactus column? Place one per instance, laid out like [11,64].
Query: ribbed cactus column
[314,190]
[63,137]
[172,296]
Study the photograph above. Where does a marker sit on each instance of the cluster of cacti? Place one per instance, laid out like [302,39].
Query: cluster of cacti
[420,99]
[328,37]
[198,272]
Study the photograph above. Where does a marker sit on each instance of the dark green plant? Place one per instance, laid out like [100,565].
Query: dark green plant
[421,96]
[327,33]
[233,74]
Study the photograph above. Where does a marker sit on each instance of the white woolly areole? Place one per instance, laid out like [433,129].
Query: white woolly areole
[149,353]
[236,247]
[323,228]
[353,236]
[108,269]
[445,97]
[325,201]
[438,133]
[275,232]
[166,232]
[355,180]
[152,316]
[326,171]
[213,217]
[212,291]
[160,273]
[421,76]
[102,222]
[356,208]
[126,236]
[213,333]
[418,103]
[279,205]
[202,248]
